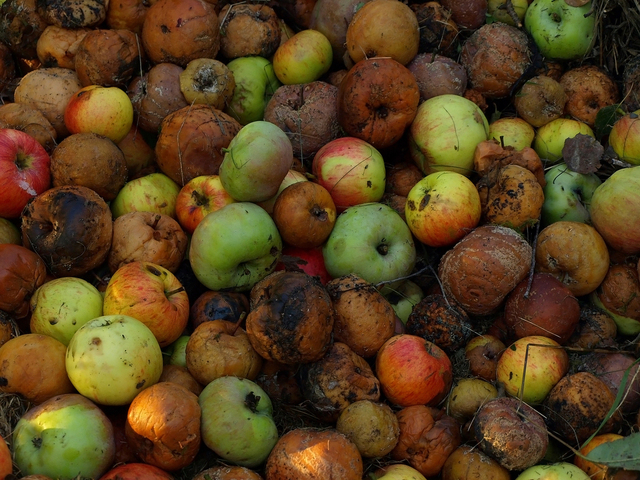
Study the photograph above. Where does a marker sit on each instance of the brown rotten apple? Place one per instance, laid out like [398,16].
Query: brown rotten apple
[21,273]
[218,305]
[372,426]
[207,81]
[248,29]
[540,100]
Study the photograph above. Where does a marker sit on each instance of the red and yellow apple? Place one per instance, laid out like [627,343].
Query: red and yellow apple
[201,195]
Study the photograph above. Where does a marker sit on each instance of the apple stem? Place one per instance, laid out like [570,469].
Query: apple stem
[173,292]
[239,322]
[512,13]
[156,220]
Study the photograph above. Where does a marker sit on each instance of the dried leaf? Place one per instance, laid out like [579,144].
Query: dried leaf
[582,153]
[622,453]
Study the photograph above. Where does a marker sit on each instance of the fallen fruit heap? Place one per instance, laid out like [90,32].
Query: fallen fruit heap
[319,239]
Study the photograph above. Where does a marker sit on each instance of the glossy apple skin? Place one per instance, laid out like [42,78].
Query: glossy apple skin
[76,438]
[235,247]
[200,196]
[103,110]
[309,260]
[237,421]
[413,371]
[154,192]
[112,358]
[152,294]
[512,132]
[614,210]
[561,32]
[442,208]
[624,138]
[545,362]
[549,140]
[567,195]
[255,85]
[352,170]
[303,58]
[372,241]
[435,142]
[24,171]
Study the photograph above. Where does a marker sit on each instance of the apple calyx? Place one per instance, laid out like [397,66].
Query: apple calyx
[22,161]
[251,401]
[199,199]
[383,248]
[37,442]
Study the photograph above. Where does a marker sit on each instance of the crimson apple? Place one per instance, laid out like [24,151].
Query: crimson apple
[198,197]
[152,294]
[442,208]
[24,171]
[308,260]
[352,170]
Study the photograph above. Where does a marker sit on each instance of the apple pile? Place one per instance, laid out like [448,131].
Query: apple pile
[305,239]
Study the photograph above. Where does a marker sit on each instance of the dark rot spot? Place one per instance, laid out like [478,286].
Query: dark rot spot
[140,384]
[424,202]
[96,341]
[154,270]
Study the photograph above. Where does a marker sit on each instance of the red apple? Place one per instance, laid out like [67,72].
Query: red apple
[152,294]
[352,170]
[308,260]
[24,171]
[136,471]
[200,196]
[413,371]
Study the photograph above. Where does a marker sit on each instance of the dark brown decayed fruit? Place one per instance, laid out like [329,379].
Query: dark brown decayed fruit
[438,75]
[57,46]
[310,454]
[438,31]
[495,56]
[468,14]
[70,228]
[338,379]
[467,462]
[596,329]
[89,160]
[540,100]
[619,292]
[291,318]
[491,154]
[21,273]
[482,268]
[217,305]
[20,27]
[248,29]
[511,432]
[483,353]
[191,140]
[74,13]
[589,88]
[127,14]
[227,473]
[280,382]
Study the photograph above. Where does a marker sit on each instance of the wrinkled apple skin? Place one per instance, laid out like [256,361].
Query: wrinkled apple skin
[237,421]
[235,247]
[567,195]
[614,210]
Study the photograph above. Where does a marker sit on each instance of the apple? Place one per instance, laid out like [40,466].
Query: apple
[138,155]
[498,10]
[308,260]
[235,247]
[413,371]
[136,471]
[561,31]
[199,196]
[24,171]
[554,471]
[482,352]
[445,132]
[67,436]
[549,140]
[531,366]
[293,176]
[512,132]
[154,192]
[112,358]
[624,325]
[442,208]
[397,471]
[237,421]
[567,195]
[176,352]
[6,461]
[303,58]
[9,232]
[614,210]
[256,162]
[371,241]
[352,170]
[103,110]
[152,294]
[403,298]
[61,306]
[255,85]
[624,138]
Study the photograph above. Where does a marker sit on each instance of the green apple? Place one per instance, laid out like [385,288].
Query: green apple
[303,58]
[567,195]
[112,358]
[498,10]
[403,298]
[560,31]
[9,233]
[445,132]
[256,162]
[65,437]
[512,132]
[614,210]
[372,241]
[237,421]
[63,305]
[235,247]
[397,471]
[175,354]
[154,192]
[554,471]
[549,140]
[625,325]
[255,84]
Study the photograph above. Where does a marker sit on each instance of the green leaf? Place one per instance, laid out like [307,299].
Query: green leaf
[622,453]
[605,119]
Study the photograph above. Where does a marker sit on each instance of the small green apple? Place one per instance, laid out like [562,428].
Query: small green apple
[63,305]
[237,421]
[255,85]
[512,132]
[403,298]
[154,192]
[176,352]
[549,140]
[303,58]
[498,10]
[567,195]
[554,471]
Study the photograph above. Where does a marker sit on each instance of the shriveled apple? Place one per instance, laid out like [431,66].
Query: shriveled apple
[372,426]
[207,81]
